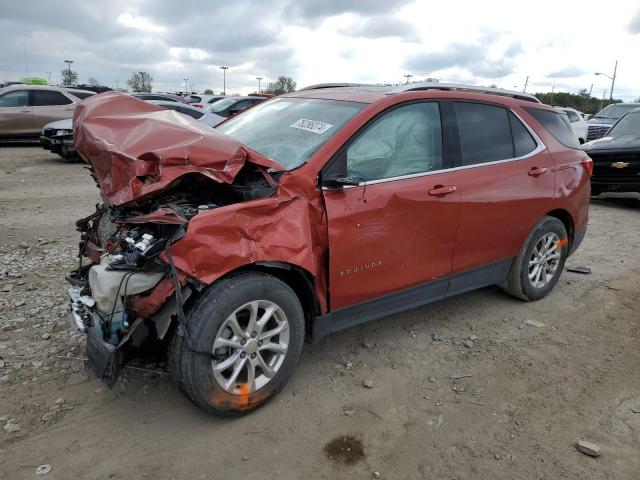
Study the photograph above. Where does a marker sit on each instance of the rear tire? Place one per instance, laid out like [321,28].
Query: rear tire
[538,266]
[236,362]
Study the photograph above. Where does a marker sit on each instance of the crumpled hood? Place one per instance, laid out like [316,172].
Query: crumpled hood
[138,149]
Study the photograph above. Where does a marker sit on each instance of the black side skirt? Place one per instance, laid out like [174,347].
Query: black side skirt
[495,273]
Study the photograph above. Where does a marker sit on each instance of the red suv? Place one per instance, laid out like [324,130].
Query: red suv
[309,213]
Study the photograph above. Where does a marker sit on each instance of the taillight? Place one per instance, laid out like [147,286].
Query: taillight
[587,163]
[197,105]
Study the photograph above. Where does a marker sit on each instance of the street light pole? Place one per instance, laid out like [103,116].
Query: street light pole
[526,82]
[69,62]
[407,76]
[186,86]
[224,79]
[613,79]
[259,79]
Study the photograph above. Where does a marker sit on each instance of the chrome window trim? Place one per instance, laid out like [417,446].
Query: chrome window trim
[540,147]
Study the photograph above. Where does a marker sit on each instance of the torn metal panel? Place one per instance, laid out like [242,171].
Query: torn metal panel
[138,149]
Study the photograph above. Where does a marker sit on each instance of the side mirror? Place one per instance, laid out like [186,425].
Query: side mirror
[338,181]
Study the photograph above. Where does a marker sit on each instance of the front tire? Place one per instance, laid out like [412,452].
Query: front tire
[538,266]
[246,335]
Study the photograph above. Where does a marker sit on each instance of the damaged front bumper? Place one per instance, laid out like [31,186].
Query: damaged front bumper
[105,360]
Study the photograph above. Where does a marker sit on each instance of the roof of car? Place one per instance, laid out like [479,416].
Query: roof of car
[373,93]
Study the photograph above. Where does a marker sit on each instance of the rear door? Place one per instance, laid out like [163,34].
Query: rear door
[506,180]
[395,228]
[50,105]
[15,114]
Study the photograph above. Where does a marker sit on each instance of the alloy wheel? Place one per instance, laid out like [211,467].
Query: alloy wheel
[544,260]
[250,347]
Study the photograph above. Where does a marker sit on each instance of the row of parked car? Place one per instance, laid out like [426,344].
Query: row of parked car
[32,111]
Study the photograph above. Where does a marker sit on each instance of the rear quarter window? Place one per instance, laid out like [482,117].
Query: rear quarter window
[558,125]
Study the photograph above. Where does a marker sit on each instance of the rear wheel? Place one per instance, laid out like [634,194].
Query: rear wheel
[245,338]
[537,268]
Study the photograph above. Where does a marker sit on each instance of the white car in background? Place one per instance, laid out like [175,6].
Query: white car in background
[577,121]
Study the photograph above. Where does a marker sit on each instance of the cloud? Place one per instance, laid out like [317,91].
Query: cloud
[382,26]
[474,58]
[310,10]
[634,24]
[567,72]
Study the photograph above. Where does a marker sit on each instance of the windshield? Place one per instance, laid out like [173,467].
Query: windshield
[629,125]
[221,104]
[614,111]
[290,130]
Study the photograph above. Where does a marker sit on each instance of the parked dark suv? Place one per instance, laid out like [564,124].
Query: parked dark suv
[309,213]
[616,157]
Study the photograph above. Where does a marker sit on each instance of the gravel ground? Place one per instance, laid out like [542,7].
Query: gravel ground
[461,389]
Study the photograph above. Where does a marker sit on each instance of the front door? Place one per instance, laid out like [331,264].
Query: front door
[15,114]
[396,228]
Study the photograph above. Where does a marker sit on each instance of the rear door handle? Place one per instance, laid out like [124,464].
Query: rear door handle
[25,111]
[442,190]
[535,171]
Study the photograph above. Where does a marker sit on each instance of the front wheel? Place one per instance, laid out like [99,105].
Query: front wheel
[241,344]
[537,268]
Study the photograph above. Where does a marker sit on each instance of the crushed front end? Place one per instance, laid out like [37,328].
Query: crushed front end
[125,281]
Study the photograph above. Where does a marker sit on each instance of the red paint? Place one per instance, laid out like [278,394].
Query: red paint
[138,149]
[408,232]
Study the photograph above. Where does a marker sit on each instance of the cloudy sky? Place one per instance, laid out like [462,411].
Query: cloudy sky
[557,44]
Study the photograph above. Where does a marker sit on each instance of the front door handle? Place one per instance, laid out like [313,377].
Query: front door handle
[25,111]
[535,171]
[442,190]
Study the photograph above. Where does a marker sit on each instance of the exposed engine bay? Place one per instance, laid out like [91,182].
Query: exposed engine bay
[126,289]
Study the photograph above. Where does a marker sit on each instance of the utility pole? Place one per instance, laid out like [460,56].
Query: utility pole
[49,76]
[407,76]
[186,85]
[526,82]
[224,69]
[613,80]
[590,90]
[259,80]
[69,62]
[117,84]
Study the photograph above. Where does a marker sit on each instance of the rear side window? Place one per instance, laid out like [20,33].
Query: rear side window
[557,124]
[17,98]
[485,133]
[573,116]
[523,142]
[81,95]
[47,98]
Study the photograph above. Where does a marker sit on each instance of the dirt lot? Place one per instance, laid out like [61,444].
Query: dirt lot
[527,393]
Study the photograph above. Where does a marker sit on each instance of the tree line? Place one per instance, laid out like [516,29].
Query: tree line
[580,101]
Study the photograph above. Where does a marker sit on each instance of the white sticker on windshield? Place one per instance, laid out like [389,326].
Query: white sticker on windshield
[311,126]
